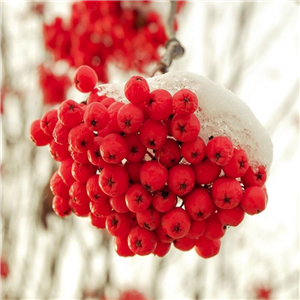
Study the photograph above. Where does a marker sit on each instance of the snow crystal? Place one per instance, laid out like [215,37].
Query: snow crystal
[220,112]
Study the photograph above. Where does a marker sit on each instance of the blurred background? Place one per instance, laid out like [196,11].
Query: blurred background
[252,48]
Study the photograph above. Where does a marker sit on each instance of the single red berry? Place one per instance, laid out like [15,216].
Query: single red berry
[185,128]
[96,116]
[61,206]
[113,148]
[93,189]
[121,247]
[81,158]
[159,104]
[70,113]
[181,179]
[133,170]
[207,248]
[219,150]
[162,248]
[231,217]
[119,204]
[100,209]
[226,192]
[153,175]
[82,172]
[197,229]
[58,187]
[130,118]
[37,135]
[136,150]
[254,200]
[4,268]
[113,180]
[238,164]
[149,218]
[118,224]
[59,152]
[164,199]
[169,154]
[168,122]
[112,126]
[81,138]
[206,171]
[214,228]
[256,177]
[98,222]
[61,133]
[94,154]
[137,90]
[199,204]
[137,198]
[153,134]
[78,193]
[184,102]
[184,244]
[108,101]
[194,152]
[176,223]
[48,121]
[80,210]
[85,79]
[141,241]
[163,236]
[65,172]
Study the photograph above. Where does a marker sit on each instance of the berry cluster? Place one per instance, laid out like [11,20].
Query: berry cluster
[128,34]
[142,171]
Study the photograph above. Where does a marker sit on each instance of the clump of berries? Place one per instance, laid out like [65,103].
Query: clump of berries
[142,171]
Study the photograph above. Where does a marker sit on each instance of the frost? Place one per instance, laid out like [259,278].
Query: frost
[220,112]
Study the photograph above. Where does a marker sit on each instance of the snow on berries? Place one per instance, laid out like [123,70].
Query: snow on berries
[170,160]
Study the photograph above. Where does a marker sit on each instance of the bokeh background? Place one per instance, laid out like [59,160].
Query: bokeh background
[250,47]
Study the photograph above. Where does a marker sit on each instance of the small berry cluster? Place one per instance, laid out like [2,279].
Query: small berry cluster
[142,171]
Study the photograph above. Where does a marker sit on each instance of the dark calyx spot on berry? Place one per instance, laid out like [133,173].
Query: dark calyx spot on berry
[114,222]
[138,78]
[93,123]
[111,156]
[194,154]
[96,196]
[146,226]
[199,214]
[165,194]
[110,182]
[134,149]
[83,143]
[65,212]
[150,101]
[218,155]
[138,243]
[172,160]
[127,123]
[225,227]
[176,228]
[258,176]
[139,199]
[211,137]
[226,199]
[182,186]
[171,117]
[241,164]
[185,100]
[72,106]
[147,186]
[122,133]
[152,143]
[181,128]
[97,153]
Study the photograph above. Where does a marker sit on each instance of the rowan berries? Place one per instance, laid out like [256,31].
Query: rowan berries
[85,79]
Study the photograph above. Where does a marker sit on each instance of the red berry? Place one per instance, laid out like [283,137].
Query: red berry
[122,248]
[48,121]
[256,177]
[78,157]
[226,192]
[153,134]
[214,229]
[95,97]
[181,179]
[119,204]
[107,102]
[81,138]
[169,154]
[100,209]
[61,206]
[96,116]
[82,172]
[219,150]
[207,248]
[163,236]
[65,173]
[98,222]
[133,170]
[184,102]
[198,204]
[176,223]
[162,248]
[113,148]
[137,198]
[194,152]
[112,126]
[206,171]
[37,135]
[164,199]
[85,79]
[184,244]
[231,217]
[137,90]
[159,105]
[93,189]
[130,118]
[238,164]
[78,193]
[197,229]
[61,133]
[58,187]
[94,154]
[59,152]
[149,218]
[136,150]
[118,224]
[113,180]
[70,113]
[80,210]
[254,200]
[153,175]
[141,241]
[4,268]
[185,128]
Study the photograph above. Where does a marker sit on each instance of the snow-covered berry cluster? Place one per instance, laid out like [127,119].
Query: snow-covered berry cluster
[141,170]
